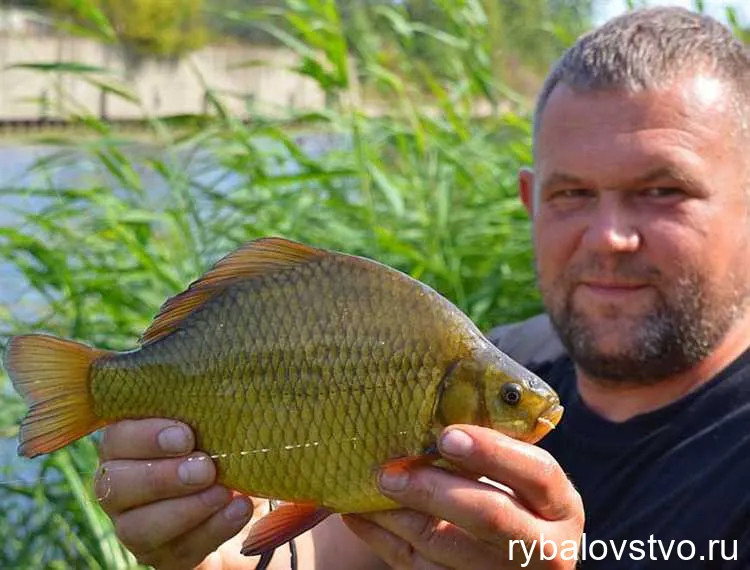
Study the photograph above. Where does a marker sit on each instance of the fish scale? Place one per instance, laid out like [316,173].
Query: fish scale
[301,371]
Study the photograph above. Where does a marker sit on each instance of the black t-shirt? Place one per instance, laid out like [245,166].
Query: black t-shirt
[678,477]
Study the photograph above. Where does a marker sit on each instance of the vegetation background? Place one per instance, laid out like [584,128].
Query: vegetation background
[427,187]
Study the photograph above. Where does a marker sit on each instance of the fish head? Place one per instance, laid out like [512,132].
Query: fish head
[519,403]
[492,390]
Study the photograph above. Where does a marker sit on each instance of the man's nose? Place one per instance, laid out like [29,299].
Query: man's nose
[612,228]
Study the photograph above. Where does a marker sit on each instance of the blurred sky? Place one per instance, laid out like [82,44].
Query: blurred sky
[605,9]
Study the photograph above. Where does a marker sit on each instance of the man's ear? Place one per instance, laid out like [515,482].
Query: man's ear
[526,189]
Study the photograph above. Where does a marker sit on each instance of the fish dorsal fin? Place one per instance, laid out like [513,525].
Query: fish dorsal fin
[263,256]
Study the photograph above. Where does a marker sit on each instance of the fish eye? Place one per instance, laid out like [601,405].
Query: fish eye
[511,393]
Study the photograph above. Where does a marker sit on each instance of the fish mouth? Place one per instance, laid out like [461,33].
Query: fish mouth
[546,422]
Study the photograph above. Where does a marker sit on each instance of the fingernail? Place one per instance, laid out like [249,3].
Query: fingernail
[394,479]
[215,496]
[457,443]
[238,510]
[195,471]
[173,439]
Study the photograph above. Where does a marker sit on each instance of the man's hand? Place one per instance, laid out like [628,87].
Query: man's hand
[162,498]
[451,521]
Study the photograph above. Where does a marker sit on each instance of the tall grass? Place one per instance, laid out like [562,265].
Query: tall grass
[427,186]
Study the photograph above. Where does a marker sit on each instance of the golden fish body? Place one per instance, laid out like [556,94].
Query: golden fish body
[302,384]
[301,371]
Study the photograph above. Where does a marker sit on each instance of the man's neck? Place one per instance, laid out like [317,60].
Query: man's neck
[620,401]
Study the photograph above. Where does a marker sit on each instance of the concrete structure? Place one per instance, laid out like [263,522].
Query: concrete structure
[241,76]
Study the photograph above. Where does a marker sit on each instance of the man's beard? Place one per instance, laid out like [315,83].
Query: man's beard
[682,328]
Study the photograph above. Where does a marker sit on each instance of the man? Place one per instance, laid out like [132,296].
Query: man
[640,199]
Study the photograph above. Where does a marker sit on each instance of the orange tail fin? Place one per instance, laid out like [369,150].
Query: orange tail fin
[52,375]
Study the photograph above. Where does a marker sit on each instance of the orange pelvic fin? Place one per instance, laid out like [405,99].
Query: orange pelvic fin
[282,525]
[52,375]
[254,259]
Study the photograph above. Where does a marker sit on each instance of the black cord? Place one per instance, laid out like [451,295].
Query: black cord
[265,560]
[266,557]
[292,555]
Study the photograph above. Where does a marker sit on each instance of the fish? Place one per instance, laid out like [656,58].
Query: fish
[302,371]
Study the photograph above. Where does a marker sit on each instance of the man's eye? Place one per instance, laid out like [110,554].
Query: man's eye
[662,192]
[572,193]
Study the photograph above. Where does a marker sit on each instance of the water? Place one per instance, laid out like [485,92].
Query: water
[8,455]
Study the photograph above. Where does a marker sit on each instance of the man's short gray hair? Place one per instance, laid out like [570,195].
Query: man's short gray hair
[645,49]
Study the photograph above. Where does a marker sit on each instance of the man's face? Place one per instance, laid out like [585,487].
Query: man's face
[642,225]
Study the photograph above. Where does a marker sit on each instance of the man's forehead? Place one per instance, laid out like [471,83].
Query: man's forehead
[700,95]
[696,112]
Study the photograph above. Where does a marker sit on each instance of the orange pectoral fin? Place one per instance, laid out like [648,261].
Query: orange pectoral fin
[410,461]
[282,525]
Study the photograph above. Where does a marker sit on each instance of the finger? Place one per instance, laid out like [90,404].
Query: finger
[151,527]
[483,510]
[190,549]
[536,478]
[395,551]
[146,439]
[124,484]
[436,540]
